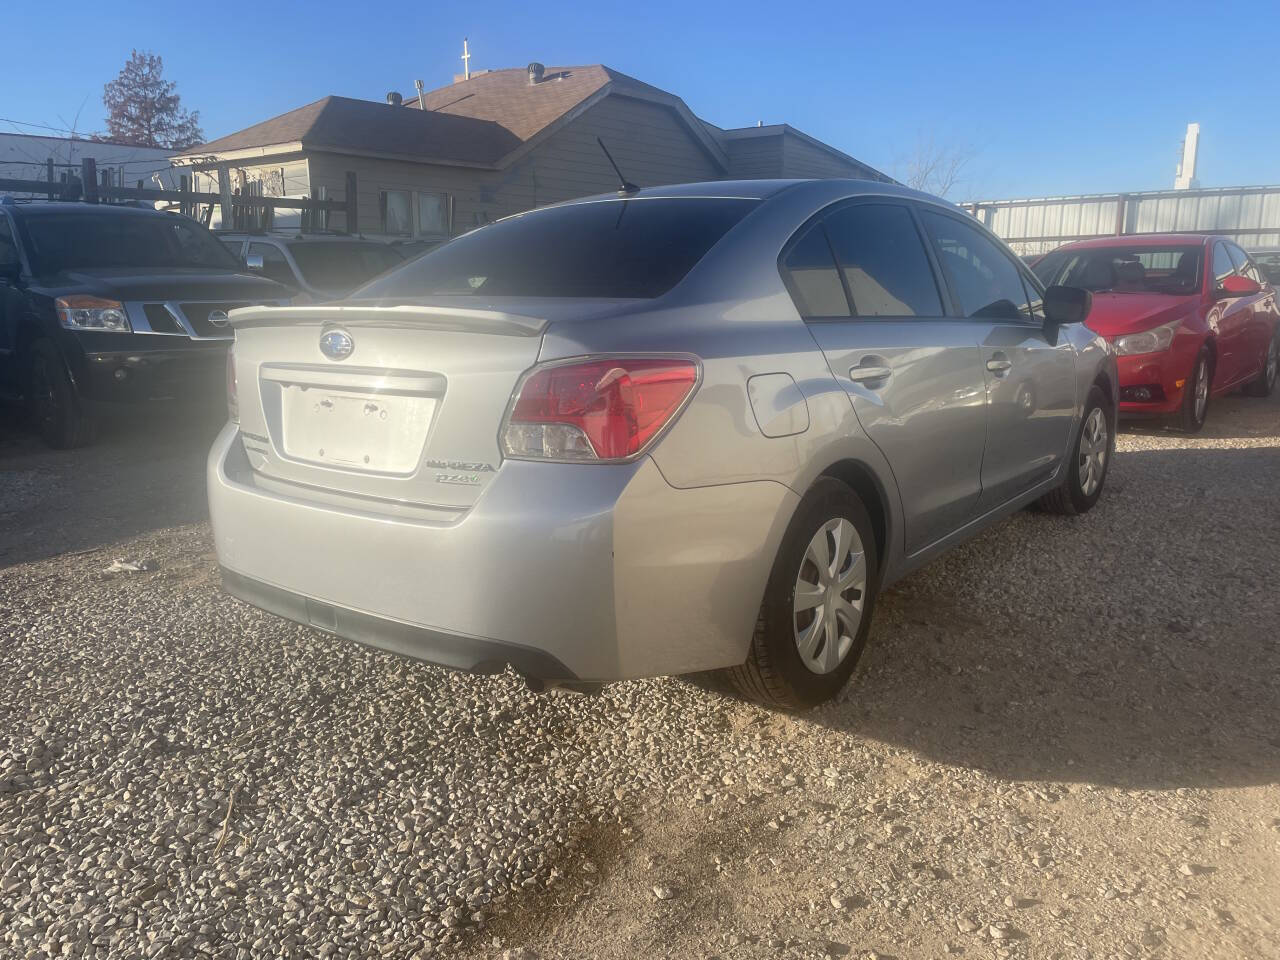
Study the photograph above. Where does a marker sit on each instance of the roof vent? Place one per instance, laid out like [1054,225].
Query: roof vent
[394,99]
[536,70]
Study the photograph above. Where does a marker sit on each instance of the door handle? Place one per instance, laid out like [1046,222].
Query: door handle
[869,373]
[998,365]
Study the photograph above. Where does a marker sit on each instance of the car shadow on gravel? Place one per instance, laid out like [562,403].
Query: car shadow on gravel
[1133,647]
[1232,417]
[144,472]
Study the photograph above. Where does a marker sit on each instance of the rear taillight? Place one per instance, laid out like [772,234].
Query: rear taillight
[596,409]
[233,401]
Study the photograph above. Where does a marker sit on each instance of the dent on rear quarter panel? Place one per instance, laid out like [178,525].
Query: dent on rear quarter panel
[690,568]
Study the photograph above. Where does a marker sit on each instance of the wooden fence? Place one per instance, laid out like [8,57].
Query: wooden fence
[241,210]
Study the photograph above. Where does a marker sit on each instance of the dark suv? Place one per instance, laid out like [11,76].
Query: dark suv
[102,303]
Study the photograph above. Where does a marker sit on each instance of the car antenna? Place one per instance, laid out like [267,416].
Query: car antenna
[627,186]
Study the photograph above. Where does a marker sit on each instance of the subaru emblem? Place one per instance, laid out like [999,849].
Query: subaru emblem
[219,318]
[336,344]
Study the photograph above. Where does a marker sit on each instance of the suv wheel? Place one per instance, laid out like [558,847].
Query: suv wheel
[1087,471]
[52,400]
[1266,380]
[818,603]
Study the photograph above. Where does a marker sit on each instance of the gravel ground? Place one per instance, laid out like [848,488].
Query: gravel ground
[1064,741]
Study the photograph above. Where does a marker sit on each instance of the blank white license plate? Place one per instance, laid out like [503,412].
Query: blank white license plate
[361,431]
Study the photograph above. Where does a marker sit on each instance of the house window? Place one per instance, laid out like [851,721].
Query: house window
[433,215]
[396,213]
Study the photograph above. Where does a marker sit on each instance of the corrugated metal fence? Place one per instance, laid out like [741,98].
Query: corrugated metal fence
[1249,214]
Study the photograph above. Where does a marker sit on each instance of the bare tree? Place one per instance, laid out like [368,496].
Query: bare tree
[935,168]
[144,108]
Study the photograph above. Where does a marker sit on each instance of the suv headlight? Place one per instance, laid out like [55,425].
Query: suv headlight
[92,313]
[1148,341]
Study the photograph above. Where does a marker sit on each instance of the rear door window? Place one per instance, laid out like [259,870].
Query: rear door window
[627,248]
[883,261]
[812,277]
[983,277]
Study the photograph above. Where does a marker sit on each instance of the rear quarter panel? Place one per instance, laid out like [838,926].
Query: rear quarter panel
[734,313]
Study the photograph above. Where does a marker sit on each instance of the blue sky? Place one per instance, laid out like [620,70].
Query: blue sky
[1049,99]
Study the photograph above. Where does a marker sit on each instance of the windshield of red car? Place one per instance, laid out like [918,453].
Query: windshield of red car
[1128,269]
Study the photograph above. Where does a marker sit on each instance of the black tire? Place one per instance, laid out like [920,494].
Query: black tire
[1266,380]
[774,674]
[55,409]
[1075,495]
[1190,419]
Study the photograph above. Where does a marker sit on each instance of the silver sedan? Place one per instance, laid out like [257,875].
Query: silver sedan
[670,430]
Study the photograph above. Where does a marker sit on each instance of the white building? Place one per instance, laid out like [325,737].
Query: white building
[26,157]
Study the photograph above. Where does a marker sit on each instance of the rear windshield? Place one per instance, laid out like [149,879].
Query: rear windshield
[343,265]
[76,241]
[1127,269]
[611,248]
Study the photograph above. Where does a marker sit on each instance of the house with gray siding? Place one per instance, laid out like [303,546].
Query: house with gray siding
[439,163]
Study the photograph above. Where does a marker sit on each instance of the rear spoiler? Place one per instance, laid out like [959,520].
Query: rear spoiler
[433,317]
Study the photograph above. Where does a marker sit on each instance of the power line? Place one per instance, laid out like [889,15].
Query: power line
[41,126]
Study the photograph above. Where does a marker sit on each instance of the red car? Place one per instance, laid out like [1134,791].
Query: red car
[1190,316]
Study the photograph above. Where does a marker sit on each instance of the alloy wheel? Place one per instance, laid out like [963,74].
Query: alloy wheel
[830,588]
[1202,390]
[1094,447]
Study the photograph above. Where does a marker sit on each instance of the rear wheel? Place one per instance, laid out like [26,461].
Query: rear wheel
[1195,395]
[1266,380]
[1087,471]
[52,400]
[818,603]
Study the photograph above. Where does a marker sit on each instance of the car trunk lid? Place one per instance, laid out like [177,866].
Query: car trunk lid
[388,405]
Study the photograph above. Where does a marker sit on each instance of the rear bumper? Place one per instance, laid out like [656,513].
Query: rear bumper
[564,571]
[471,654]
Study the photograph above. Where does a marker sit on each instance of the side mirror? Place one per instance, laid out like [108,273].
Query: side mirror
[254,261]
[1064,305]
[1236,286]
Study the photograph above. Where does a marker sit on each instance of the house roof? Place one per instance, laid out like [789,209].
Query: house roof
[785,129]
[365,126]
[507,98]
[487,121]
[531,111]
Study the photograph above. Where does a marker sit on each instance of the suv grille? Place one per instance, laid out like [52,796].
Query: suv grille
[197,315]
[161,320]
